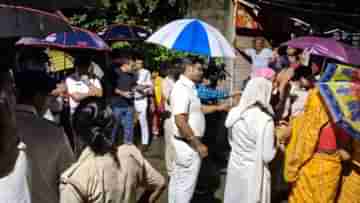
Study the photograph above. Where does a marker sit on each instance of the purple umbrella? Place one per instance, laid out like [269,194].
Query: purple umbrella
[327,47]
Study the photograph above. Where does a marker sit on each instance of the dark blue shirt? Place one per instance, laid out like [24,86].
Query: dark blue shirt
[125,82]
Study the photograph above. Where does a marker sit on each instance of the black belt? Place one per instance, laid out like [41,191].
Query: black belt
[140,98]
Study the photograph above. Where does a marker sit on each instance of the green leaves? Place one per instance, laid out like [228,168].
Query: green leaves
[149,13]
[154,55]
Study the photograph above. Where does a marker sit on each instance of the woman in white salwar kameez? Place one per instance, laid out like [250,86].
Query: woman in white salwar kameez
[252,145]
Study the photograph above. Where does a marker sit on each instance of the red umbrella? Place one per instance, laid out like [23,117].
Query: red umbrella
[17,21]
[50,4]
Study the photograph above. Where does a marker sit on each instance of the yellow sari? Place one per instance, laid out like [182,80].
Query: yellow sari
[158,91]
[350,189]
[314,177]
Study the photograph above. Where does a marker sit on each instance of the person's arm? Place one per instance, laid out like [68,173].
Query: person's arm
[74,94]
[206,93]
[142,89]
[69,194]
[165,90]
[147,80]
[206,109]
[144,82]
[181,102]
[245,53]
[269,146]
[181,121]
[79,96]
[84,184]
[119,92]
[155,183]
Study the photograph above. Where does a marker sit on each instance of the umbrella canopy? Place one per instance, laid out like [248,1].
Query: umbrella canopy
[78,39]
[193,36]
[340,88]
[34,42]
[18,21]
[121,32]
[50,4]
[327,47]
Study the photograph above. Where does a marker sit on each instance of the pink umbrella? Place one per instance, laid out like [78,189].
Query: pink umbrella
[327,47]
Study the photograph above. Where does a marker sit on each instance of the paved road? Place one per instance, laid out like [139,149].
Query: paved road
[156,157]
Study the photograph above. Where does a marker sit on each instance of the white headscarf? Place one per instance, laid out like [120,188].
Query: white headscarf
[257,91]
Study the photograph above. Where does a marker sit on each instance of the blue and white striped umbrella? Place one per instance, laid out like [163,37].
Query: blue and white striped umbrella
[193,36]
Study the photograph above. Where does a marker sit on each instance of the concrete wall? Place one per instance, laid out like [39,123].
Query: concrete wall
[219,13]
[211,11]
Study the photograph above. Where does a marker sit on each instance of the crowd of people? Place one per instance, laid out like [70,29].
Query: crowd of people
[284,144]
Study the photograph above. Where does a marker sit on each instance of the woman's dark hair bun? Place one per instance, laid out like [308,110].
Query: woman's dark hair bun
[93,123]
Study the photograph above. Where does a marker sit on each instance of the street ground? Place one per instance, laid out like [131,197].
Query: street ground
[156,157]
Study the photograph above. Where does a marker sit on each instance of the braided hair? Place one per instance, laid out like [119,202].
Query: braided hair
[93,123]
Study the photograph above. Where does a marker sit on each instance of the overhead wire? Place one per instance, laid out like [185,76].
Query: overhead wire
[298,8]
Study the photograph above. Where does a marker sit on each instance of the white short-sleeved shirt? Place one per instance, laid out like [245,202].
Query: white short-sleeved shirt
[73,85]
[144,78]
[260,60]
[184,100]
[15,187]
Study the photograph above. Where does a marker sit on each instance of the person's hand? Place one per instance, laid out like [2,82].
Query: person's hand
[345,155]
[283,123]
[203,150]
[60,90]
[236,93]
[127,95]
[223,107]
[92,90]
[199,147]
[283,132]
[236,97]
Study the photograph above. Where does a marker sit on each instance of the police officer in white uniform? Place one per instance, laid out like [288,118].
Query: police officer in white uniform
[189,126]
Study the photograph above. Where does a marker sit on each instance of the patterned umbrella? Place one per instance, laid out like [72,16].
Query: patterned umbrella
[193,36]
[340,88]
[79,39]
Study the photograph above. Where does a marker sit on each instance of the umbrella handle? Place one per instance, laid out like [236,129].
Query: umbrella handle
[323,65]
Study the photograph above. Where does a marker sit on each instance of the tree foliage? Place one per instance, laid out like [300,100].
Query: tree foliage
[150,14]
[147,13]
[154,55]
